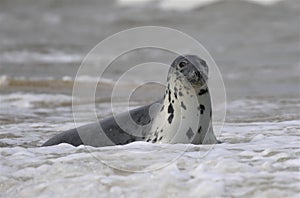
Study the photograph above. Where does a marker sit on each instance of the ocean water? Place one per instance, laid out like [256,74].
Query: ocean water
[254,43]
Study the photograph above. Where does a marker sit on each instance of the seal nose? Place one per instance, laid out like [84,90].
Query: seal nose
[197,73]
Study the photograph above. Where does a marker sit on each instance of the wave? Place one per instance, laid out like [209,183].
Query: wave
[66,81]
[32,56]
[186,4]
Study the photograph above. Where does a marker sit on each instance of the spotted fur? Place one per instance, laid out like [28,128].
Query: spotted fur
[188,106]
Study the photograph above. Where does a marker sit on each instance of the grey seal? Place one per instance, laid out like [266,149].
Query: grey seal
[182,115]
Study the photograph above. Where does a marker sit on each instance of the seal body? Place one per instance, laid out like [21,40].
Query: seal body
[108,132]
[183,115]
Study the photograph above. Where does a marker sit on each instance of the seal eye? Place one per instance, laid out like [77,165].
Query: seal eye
[182,64]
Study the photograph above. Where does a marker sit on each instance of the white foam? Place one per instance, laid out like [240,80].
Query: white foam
[93,79]
[32,56]
[28,100]
[67,78]
[267,165]
[182,5]
[4,80]
[264,2]
[134,2]
[185,5]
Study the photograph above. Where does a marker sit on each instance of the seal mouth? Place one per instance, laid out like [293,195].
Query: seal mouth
[197,78]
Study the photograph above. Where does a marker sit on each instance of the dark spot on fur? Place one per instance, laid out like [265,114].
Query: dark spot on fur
[190,133]
[160,138]
[180,93]
[170,109]
[203,91]
[175,92]
[183,106]
[201,108]
[210,113]
[200,129]
[169,96]
[162,108]
[154,140]
[170,118]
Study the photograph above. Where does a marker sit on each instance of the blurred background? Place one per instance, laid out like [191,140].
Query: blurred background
[255,43]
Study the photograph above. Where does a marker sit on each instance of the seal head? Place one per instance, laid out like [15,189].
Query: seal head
[193,69]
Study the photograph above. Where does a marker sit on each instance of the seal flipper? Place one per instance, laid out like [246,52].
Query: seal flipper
[71,137]
[210,137]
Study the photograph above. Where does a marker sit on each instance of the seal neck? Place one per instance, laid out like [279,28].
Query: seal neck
[185,116]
